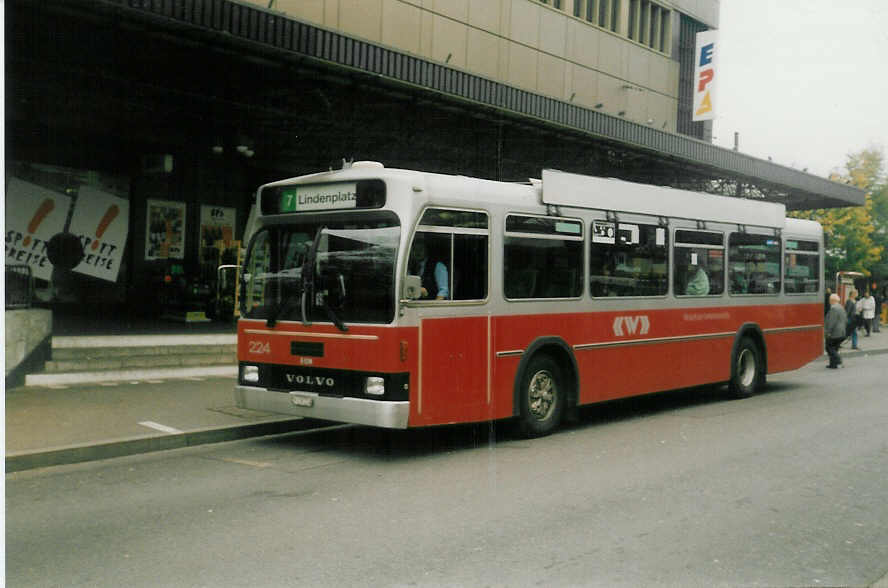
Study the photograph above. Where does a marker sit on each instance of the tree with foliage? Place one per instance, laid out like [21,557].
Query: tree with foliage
[857,236]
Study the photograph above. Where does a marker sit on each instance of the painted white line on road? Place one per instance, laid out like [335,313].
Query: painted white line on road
[159,427]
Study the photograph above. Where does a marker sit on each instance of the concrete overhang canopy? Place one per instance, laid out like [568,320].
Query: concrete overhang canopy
[274,35]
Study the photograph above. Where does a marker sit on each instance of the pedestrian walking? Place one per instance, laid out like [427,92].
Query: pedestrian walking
[868,311]
[835,324]
[851,318]
[877,321]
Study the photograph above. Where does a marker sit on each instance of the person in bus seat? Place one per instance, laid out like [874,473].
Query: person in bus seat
[433,275]
[698,285]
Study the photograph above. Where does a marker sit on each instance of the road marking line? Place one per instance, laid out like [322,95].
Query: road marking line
[246,462]
[159,427]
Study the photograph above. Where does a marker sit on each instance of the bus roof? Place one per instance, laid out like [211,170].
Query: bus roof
[567,189]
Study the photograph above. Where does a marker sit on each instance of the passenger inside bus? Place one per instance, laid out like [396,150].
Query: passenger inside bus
[434,275]
[698,284]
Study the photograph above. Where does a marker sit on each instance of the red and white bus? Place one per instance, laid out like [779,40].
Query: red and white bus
[399,298]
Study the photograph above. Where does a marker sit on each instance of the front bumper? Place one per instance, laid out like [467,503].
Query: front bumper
[360,411]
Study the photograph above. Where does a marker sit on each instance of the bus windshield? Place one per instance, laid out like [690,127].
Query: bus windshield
[339,269]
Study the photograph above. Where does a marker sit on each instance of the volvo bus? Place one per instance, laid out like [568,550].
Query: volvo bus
[398,298]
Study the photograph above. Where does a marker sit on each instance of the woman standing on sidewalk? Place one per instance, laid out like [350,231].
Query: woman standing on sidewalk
[868,310]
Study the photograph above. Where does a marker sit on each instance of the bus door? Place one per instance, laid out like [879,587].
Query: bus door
[454,370]
[449,256]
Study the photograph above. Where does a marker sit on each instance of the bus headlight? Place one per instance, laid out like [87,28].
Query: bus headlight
[374,386]
[250,374]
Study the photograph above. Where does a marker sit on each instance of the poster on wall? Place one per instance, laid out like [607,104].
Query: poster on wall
[33,216]
[101,220]
[216,224]
[705,77]
[165,233]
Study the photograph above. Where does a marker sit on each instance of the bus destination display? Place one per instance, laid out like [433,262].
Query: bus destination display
[323,197]
[332,196]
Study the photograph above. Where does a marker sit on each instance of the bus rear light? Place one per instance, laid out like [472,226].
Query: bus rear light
[250,374]
[374,386]
[403,350]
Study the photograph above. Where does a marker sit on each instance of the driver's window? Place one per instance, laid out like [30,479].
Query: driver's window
[449,255]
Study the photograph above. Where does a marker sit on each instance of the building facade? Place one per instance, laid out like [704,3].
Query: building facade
[148,124]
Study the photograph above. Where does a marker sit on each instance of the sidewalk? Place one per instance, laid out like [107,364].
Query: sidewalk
[64,424]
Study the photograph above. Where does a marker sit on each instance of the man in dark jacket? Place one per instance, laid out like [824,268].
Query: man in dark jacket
[834,330]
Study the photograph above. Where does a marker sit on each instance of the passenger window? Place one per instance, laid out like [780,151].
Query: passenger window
[449,254]
[699,263]
[802,267]
[754,262]
[543,257]
[628,259]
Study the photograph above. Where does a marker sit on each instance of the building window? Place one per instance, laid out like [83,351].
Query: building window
[604,13]
[554,3]
[649,24]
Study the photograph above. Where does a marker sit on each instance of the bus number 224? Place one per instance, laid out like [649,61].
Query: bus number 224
[260,347]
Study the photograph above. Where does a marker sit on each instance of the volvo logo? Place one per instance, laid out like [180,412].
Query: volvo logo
[631,325]
[316,381]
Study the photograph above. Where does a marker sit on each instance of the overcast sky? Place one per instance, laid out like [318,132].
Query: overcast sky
[803,81]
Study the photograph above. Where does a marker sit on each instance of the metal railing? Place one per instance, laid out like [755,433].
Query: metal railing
[19,286]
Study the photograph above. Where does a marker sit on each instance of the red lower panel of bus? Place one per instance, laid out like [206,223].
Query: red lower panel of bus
[464,369]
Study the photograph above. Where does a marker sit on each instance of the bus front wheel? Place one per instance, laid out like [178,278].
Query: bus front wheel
[747,371]
[541,397]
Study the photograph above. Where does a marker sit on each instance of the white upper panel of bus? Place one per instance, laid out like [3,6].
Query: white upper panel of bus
[566,189]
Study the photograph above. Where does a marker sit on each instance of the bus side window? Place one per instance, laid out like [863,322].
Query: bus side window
[543,257]
[754,262]
[628,259]
[449,253]
[699,263]
[801,267]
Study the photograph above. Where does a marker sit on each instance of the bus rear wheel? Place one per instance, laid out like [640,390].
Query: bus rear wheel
[541,395]
[747,369]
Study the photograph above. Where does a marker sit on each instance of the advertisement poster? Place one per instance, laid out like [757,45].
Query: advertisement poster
[165,236]
[216,224]
[101,220]
[705,75]
[33,216]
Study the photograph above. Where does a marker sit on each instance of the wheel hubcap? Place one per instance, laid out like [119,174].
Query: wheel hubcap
[541,395]
[746,368]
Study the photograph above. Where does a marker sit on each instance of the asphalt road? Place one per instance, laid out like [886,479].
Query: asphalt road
[783,489]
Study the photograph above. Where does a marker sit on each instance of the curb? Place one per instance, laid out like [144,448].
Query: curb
[71,454]
[123,375]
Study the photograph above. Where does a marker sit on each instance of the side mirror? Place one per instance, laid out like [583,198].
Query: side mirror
[412,288]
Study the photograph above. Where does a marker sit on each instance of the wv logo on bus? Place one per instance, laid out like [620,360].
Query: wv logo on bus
[631,325]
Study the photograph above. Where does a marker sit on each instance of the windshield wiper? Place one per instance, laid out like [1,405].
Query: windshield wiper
[334,318]
[308,275]
[271,321]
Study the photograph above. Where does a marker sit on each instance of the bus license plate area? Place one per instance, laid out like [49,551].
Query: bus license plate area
[301,400]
